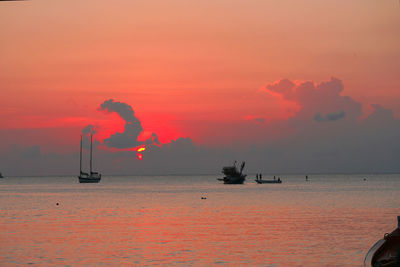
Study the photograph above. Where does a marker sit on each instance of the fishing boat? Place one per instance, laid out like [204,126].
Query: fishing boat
[232,175]
[275,181]
[385,252]
[91,177]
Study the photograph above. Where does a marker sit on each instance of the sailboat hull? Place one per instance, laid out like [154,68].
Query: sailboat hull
[89,179]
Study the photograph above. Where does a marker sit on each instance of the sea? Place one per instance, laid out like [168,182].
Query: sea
[195,220]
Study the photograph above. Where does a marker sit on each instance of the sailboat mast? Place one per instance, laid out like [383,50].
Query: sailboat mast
[91,138]
[80,157]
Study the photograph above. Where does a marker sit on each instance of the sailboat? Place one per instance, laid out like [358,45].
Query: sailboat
[91,177]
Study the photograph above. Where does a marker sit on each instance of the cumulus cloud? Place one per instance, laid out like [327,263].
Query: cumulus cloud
[330,117]
[125,111]
[316,99]
[326,133]
[283,87]
[181,144]
[301,143]
[152,140]
[350,144]
[132,129]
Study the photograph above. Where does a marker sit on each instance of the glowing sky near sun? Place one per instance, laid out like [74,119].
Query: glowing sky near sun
[187,68]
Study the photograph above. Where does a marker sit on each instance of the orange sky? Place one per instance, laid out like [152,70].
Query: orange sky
[186,66]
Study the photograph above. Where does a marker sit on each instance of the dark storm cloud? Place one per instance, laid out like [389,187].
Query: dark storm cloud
[133,128]
[330,117]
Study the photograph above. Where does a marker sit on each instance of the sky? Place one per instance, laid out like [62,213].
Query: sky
[288,86]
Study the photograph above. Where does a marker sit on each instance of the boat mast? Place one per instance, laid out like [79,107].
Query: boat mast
[242,167]
[80,158]
[91,137]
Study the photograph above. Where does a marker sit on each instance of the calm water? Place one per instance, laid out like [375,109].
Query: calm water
[332,220]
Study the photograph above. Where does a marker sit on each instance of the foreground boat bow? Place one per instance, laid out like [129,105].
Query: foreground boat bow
[385,252]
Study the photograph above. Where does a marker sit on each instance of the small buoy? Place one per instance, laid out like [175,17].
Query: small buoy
[57,203]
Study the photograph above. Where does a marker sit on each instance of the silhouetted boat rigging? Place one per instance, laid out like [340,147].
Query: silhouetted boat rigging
[91,177]
[385,252]
[232,175]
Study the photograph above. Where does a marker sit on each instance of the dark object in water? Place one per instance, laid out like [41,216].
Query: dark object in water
[57,203]
[203,198]
[385,252]
[259,180]
[279,181]
[232,175]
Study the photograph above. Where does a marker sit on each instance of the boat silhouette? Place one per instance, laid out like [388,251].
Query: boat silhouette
[275,181]
[232,175]
[385,252]
[91,177]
